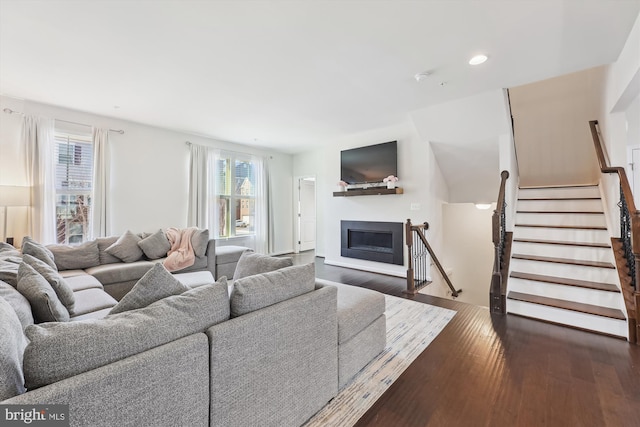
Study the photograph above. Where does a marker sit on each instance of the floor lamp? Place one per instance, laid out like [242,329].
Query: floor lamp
[10,196]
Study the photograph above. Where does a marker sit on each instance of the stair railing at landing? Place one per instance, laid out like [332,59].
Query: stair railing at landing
[502,251]
[420,255]
[629,236]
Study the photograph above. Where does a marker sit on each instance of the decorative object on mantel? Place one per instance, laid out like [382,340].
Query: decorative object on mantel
[342,186]
[391,181]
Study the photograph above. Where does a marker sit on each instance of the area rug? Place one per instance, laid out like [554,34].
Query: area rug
[411,326]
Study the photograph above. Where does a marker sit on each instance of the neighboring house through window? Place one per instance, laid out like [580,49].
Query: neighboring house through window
[74,185]
[235,195]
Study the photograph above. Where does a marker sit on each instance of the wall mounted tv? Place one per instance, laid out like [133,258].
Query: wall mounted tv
[369,164]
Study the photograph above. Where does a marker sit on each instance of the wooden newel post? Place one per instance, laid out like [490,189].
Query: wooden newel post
[411,286]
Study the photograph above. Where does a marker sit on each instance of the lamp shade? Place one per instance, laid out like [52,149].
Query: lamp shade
[13,195]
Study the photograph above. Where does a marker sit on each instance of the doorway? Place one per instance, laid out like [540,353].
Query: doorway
[306,214]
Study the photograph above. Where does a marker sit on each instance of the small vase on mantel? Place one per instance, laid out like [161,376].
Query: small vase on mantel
[391,181]
[391,185]
[342,186]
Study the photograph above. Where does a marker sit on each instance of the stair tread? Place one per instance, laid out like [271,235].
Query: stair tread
[564,260]
[557,198]
[563,212]
[558,242]
[576,227]
[568,305]
[565,281]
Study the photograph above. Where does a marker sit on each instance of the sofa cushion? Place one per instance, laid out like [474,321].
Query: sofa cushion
[98,314]
[18,302]
[75,257]
[33,248]
[12,347]
[103,244]
[126,247]
[9,267]
[44,302]
[157,283]
[121,272]
[262,290]
[156,245]
[83,281]
[251,263]
[59,285]
[229,253]
[92,299]
[62,350]
[199,241]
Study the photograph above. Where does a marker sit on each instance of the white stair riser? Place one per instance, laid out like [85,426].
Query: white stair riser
[591,274]
[579,320]
[561,205]
[558,192]
[585,253]
[588,220]
[567,293]
[562,234]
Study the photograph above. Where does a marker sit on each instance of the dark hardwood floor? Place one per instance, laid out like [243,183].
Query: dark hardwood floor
[493,370]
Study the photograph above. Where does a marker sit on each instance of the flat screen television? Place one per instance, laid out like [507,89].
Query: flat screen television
[369,164]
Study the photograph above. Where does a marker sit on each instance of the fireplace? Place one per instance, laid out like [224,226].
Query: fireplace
[373,241]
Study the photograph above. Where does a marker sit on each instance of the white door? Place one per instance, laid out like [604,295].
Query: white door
[306,214]
[635,179]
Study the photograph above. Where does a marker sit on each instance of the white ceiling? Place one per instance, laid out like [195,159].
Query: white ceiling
[289,75]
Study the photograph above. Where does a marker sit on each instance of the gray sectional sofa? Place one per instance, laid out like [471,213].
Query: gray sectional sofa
[272,353]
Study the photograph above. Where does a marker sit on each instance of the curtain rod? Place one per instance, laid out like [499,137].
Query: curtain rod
[10,111]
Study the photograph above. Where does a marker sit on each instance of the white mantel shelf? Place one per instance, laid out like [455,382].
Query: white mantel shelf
[377,191]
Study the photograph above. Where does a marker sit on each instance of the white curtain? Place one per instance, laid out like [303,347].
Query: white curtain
[216,212]
[38,140]
[101,162]
[264,223]
[197,215]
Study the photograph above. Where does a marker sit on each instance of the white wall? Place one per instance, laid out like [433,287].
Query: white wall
[149,170]
[468,250]
[420,178]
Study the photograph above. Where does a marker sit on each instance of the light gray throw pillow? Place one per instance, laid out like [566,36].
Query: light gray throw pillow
[156,284]
[262,290]
[44,302]
[33,248]
[199,241]
[18,302]
[75,257]
[103,245]
[62,350]
[155,245]
[12,347]
[9,268]
[251,263]
[59,285]
[126,247]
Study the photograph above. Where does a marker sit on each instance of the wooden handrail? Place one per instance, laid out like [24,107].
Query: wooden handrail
[629,234]
[498,291]
[419,231]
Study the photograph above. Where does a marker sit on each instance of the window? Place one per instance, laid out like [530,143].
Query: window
[235,195]
[74,184]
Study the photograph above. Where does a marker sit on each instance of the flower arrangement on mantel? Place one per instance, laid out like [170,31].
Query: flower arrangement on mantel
[342,186]
[391,181]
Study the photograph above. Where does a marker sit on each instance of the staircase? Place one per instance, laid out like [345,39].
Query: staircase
[562,265]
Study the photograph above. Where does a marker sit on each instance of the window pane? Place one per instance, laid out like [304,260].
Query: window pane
[73,184]
[245,216]
[245,178]
[222,176]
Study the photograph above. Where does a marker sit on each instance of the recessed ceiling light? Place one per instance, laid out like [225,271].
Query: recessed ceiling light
[478,59]
[483,206]
[421,76]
